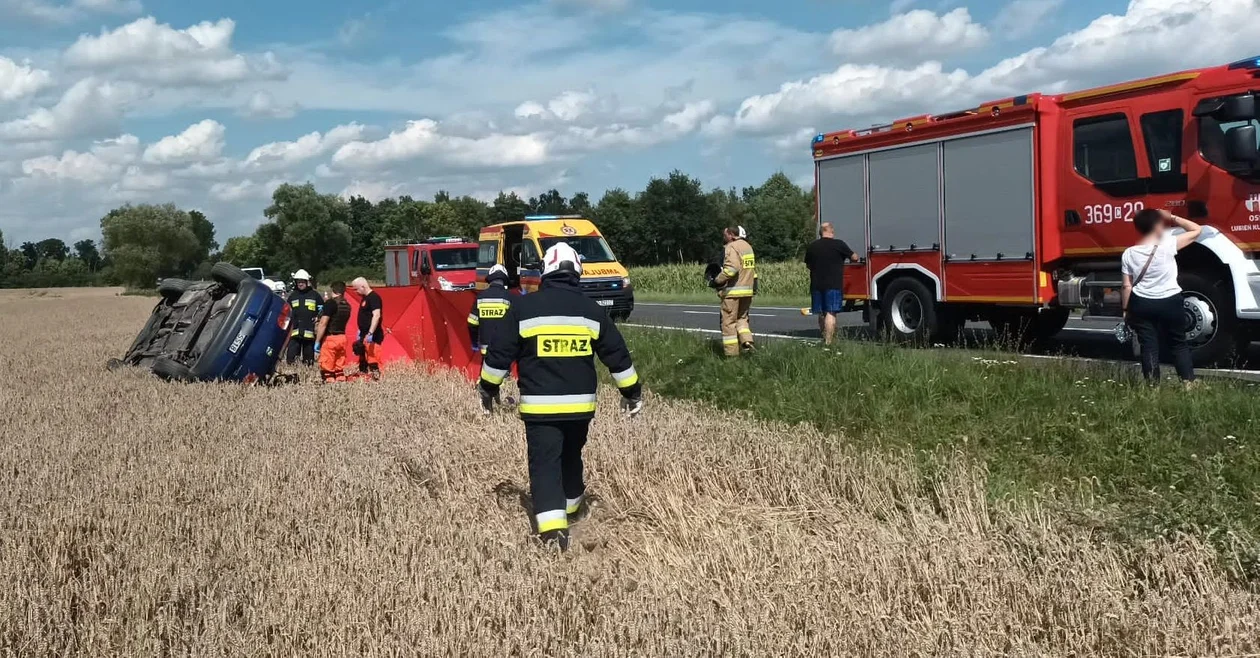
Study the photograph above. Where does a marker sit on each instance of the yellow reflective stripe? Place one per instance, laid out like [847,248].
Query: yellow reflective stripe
[310,305]
[493,375]
[308,334]
[558,404]
[293,333]
[556,519]
[483,350]
[627,377]
[572,505]
[743,332]
[473,319]
[295,303]
[741,291]
[559,325]
[492,303]
[729,271]
[730,340]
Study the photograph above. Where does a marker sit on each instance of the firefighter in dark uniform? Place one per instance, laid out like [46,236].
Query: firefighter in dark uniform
[304,305]
[491,307]
[553,336]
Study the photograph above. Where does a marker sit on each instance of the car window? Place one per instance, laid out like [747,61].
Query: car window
[488,253]
[455,259]
[592,248]
[529,252]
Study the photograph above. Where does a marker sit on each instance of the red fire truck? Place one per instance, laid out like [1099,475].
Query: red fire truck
[1016,212]
[439,263]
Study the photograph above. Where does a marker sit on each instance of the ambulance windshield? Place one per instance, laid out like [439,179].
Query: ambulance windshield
[591,248]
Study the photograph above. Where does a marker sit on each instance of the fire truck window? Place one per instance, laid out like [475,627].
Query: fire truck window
[1212,139]
[1162,132]
[1103,149]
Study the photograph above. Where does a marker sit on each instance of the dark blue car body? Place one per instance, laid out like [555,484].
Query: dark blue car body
[251,338]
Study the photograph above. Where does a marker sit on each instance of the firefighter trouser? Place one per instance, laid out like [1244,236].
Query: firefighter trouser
[370,360]
[555,470]
[735,328]
[303,347]
[332,358]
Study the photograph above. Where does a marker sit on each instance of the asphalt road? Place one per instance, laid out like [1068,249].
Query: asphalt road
[1091,340]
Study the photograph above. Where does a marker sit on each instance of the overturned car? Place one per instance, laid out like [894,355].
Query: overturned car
[231,328]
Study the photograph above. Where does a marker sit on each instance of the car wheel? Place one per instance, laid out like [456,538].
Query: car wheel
[1212,329]
[172,370]
[173,289]
[229,275]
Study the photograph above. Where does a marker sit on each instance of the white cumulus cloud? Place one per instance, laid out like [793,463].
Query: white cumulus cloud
[21,80]
[156,52]
[1023,17]
[104,162]
[200,142]
[277,156]
[87,107]
[263,105]
[66,12]
[913,36]
[424,139]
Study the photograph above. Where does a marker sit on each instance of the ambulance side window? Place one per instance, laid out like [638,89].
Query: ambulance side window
[529,253]
[1162,133]
[1102,149]
[488,253]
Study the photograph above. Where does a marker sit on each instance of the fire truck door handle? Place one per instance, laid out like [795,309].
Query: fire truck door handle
[1072,218]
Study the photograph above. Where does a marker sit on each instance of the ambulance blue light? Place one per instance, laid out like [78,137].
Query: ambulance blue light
[1249,63]
[819,138]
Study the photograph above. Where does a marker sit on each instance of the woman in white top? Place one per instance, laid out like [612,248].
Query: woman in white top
[1150,294]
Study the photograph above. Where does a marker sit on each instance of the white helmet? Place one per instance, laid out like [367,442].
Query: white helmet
[499,271]
[301,275]
[742,233]
[558,254]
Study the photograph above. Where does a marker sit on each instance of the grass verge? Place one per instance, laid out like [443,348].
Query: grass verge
[1119,455]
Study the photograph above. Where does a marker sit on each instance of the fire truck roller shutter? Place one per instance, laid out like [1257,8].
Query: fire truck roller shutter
[905,199]
[989,197]
[842,198]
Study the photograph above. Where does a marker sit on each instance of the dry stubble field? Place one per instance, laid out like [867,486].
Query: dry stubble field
[139,518]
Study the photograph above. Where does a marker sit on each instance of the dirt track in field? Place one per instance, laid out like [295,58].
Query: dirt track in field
[139,518]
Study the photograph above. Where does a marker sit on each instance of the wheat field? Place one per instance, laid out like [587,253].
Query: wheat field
[140,518]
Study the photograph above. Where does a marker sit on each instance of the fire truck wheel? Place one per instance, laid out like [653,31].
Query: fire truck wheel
[909,312]
[1212,329]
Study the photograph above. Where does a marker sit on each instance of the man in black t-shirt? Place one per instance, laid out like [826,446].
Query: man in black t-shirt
[371,333]
[330,335]
[825,258]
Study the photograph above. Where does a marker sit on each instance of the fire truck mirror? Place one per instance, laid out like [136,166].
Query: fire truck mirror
[1238,108]
[1240,145]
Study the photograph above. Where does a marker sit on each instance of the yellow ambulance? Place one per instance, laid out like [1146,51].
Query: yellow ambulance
[519,247]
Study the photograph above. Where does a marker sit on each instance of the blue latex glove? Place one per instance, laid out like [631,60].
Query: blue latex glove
[317,346]
[476,349]
[368,339]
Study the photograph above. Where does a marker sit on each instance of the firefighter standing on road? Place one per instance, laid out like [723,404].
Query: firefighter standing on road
[330,335]
[492,305]
[735,284]
[371,331]
[553,336]
[304,305]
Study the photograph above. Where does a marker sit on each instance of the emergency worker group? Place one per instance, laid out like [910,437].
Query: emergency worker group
[552,336]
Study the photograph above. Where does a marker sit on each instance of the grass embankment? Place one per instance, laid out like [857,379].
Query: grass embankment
[1114,453]
[781,284]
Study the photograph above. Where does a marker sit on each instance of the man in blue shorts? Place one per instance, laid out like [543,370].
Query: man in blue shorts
[825,258]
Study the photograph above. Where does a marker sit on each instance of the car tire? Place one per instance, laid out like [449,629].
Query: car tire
[908,314]
[173,289]
[229,275]
[172,370]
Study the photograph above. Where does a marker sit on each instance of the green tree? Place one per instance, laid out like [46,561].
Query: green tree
[204,229]
[780,218]
[30,255]
[550,202]
[472,214]
[677,222]
[242,251]
[508,208]
[580,204]
[313,229]
[365,222]
[85,250]
[618,218]
[52,249]
[148,242]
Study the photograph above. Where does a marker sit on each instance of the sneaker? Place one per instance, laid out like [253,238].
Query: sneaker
[555,539]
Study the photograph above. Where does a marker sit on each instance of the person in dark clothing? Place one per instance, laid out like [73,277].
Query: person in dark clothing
[1150,295]
[371,332]
[553,336]
[492,305]
[330,335]
[825,258]
[304,305]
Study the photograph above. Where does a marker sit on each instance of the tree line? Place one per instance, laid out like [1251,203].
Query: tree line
[673,219]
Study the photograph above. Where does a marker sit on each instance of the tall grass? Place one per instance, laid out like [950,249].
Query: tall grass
[142,519]
[782,281]
[1132,459]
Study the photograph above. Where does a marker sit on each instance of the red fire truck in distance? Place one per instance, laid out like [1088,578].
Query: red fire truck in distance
[1016,212]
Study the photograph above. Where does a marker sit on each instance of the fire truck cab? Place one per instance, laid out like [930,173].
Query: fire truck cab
[1016,212]
[442,263]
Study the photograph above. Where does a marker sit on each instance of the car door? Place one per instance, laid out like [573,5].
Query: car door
[1104,185]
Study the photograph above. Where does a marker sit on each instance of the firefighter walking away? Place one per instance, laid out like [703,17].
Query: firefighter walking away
[304,305]
[553,336]
[330,335]
[492,306]
[736,284]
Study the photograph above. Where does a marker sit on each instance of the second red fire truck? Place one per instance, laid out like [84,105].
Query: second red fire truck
[1016,211]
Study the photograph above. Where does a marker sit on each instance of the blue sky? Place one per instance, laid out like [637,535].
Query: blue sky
[210,105]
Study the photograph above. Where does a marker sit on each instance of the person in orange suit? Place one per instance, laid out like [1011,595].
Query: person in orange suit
[330,335]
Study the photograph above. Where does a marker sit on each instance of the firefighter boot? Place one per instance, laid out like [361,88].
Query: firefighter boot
[553,539]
